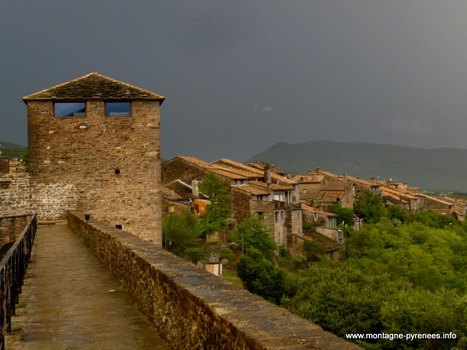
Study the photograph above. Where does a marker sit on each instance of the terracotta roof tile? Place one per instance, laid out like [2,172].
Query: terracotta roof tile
[336,186]
[274,187]
[253,190]
[308,178]
[196,161]
[315,211]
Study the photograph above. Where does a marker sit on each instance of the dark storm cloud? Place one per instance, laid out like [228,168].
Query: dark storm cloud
[240,76]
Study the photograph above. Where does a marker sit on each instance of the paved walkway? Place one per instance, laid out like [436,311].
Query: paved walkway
[71,301]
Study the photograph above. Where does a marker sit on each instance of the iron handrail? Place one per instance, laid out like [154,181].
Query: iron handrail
[13,267]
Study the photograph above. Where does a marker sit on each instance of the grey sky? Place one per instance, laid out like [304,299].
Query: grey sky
[239,76]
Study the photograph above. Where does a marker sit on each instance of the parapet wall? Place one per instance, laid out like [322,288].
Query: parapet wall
[11,227]
[20,194]
[192,308]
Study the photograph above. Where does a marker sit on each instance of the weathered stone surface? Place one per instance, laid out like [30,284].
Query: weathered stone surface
[106,166]
[21,194]
[192,308]
[11,228]
[4,165]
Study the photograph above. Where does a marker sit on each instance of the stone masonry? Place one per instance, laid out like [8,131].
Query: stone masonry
[193,309]
[106,166]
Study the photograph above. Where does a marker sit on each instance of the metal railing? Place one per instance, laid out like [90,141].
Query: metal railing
[12,270]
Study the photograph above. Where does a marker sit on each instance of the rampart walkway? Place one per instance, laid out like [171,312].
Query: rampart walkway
[71,301]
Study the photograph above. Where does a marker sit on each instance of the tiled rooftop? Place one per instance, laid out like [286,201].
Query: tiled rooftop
[93,86]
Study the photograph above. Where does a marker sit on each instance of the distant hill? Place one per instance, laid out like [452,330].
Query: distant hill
[12,150]
[429,169]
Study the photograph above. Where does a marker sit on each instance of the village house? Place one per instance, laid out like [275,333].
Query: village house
[253,191]
[310,186]
[178,196]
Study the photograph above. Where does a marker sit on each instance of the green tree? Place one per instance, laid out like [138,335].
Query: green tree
[182,236]
[344,215]
[368,207]
[432,219]
[220,207]
[252,233]
[259,276]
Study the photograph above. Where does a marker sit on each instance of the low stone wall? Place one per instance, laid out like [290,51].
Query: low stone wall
[4,165]
[11,227]
[192,308]
[19,193]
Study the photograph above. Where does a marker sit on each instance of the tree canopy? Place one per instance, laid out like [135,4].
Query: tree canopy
[220,207]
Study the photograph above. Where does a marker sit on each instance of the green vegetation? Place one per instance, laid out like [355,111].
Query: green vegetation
[220,207]
[12,150]
[403,273]
[181,235]
[259,276]
[368,207]
[81,238]
[399,278]
[252,234]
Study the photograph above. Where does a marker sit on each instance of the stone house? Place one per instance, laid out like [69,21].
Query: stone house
[318,217]
[310,186]
[95,143]
[337,192]
[178,197]
[253,191]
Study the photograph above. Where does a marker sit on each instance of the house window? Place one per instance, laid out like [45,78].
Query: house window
[117,109]
[70,109]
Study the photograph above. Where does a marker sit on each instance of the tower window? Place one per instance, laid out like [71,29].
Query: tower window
[70,109]
[117,109]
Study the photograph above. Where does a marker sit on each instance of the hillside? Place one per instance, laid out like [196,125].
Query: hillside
[12,150]
[429,169]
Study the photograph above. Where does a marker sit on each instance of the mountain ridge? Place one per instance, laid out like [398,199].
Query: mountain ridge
[443,168]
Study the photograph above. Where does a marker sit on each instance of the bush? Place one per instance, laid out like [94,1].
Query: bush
[260,276]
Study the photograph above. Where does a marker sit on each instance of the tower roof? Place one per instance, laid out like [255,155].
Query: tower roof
[93,86]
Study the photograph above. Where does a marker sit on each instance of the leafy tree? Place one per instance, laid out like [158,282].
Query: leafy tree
[252,233]
[395,212]
[432,219]
[181,235]
[368,207]
[260,276]
[220,207]
[345,216]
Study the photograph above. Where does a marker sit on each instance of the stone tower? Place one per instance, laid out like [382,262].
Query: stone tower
[94,143]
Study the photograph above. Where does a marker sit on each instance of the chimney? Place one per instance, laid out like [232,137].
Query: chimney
[194,188]
[317,171]
[267,174]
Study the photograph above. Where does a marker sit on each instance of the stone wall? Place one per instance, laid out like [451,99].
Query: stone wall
[11,227]
[15,194]
[192,308]
[111,165]
[4,165]
[21,194]
[241,204]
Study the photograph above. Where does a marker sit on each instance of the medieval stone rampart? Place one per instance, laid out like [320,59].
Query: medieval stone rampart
[21,194]
[192,308]
[11,227]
